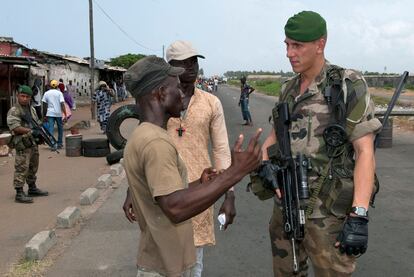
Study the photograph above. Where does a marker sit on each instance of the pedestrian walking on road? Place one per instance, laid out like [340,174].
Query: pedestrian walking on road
[53,111]
[71,88]
[245,91]
[25,142]
[333,124]
[157,175]
[202,122]
[102,103]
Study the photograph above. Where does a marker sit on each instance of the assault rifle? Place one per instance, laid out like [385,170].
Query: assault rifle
[42,134]
[292,179]
[392,103]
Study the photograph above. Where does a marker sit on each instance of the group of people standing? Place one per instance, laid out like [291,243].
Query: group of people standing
[172,185]
[173,182]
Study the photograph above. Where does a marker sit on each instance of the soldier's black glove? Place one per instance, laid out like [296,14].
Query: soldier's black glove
[353,239]
[267,172]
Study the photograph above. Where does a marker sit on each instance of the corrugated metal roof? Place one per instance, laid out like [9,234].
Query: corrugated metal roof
[61,57]
[6,39]
[17,60]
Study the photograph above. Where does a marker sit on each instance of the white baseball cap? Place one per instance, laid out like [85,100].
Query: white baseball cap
[181,50]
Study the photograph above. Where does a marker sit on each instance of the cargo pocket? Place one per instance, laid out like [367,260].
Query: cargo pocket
[338,199]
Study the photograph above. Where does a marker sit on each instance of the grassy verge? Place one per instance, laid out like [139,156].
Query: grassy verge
[265,86]
[29,268]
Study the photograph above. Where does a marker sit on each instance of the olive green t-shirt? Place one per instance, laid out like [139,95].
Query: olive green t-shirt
[154,168]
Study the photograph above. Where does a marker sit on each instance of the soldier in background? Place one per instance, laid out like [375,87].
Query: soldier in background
[27,153]
[335,232]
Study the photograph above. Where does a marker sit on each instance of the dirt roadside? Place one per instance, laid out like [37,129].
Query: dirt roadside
[64,177]
[406,100]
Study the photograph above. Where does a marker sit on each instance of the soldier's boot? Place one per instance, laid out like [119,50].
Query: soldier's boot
[34,191]
[21,197]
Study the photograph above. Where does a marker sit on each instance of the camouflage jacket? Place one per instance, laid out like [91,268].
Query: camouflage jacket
[15,118]
[310,116]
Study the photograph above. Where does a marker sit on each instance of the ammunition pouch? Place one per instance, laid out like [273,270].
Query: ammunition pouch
[257,187]
[337,196]
[22,142]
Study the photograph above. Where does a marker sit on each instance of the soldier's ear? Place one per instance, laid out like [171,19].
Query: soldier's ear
[321,45]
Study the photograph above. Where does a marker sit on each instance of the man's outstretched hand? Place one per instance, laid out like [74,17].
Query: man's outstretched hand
[248,160]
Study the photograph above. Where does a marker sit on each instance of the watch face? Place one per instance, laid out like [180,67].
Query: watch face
[361,211]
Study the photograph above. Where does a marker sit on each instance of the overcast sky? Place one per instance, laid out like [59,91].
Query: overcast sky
[373,35]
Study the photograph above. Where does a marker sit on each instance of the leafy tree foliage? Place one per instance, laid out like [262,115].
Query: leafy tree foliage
[126,60]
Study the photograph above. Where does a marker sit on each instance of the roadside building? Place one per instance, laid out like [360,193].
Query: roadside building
[22,65]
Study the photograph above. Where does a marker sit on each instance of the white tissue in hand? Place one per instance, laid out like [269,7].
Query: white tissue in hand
[222,220]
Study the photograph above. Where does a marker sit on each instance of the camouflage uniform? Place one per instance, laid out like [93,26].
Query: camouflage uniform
[310,116]
[27,153]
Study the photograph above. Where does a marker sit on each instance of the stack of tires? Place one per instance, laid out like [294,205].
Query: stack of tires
[114,133]
[95,147]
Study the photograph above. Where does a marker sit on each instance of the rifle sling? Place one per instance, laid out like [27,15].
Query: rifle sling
[317,188]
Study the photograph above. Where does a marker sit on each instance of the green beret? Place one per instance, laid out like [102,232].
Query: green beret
[25,89]
[305,26]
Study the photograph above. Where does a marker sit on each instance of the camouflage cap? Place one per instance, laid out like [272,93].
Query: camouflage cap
[146,74]
[25,90]
[305,26]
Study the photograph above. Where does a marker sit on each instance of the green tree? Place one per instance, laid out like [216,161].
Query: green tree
[126,60]
[201,71]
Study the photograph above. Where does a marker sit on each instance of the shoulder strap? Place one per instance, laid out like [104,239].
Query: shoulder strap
[339,96]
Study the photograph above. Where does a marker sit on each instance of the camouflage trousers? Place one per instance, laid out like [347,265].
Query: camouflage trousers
[25,166]
[318,246]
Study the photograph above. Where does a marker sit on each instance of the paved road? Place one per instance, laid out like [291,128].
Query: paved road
[107,244]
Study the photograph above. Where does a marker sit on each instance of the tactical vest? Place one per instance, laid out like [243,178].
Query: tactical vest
[22,142]
[334,185]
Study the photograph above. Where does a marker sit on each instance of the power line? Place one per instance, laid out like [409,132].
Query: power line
[122,30]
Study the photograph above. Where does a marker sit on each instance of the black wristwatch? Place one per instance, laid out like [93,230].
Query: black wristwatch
[359,211]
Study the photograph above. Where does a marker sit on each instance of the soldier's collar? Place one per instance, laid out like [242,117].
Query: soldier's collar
[320,79]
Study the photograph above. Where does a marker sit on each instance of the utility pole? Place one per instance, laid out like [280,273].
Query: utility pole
[163,46]
[92,59]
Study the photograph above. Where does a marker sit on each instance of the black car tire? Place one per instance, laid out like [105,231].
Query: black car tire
[115,120]
[115,157]
[100,152]
[95,143]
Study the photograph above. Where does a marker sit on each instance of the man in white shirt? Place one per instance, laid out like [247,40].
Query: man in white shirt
[216,81]
[53,109]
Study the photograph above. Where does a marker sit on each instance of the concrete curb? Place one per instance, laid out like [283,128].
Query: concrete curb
[116,169]
[89,196]
[68,217]
[104,181]
[39,245]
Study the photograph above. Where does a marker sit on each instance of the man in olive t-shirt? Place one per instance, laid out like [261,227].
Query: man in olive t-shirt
[154,169]
[163,201]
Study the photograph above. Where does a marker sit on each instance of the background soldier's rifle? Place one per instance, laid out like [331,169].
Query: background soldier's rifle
[292,179]
[42,135]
